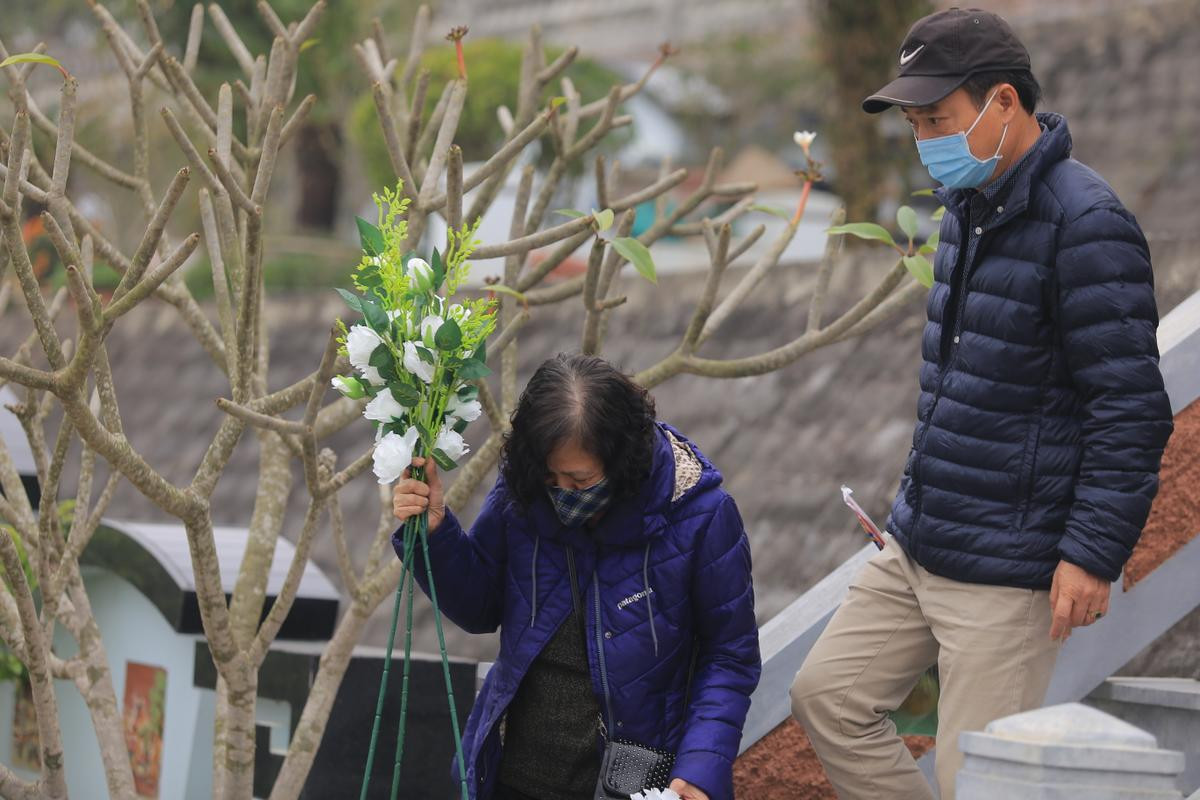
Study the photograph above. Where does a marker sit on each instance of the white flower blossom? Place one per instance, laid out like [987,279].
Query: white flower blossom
[804,139]
[456,409]
[349,387]
[384,408]
[451,444]
[361,341]
[420,272]
[414,364]
[429,327]
[459,312]
[393,454]
[371,375]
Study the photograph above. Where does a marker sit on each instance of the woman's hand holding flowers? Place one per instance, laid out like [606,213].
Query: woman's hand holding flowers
[411,496]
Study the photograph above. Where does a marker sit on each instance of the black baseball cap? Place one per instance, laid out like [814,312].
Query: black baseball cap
[942,50]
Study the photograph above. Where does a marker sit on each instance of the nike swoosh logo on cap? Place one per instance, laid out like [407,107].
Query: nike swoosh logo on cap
[907,57]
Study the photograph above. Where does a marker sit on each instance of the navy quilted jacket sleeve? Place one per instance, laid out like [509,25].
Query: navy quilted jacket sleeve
[1107,319]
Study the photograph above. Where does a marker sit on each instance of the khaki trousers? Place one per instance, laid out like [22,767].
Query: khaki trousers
[993,651]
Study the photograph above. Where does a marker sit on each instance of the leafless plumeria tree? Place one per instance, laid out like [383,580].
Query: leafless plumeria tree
[69,379]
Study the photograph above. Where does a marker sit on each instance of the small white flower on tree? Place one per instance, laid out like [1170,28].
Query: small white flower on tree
[804,139]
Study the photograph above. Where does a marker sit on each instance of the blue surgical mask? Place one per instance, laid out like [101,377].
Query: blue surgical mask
[951,162]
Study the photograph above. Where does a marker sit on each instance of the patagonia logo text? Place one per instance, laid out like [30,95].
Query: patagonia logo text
[634,598]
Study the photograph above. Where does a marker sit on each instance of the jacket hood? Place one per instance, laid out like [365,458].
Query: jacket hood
[632,521]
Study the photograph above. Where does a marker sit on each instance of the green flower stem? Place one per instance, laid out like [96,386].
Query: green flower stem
[409,548]
[437,618]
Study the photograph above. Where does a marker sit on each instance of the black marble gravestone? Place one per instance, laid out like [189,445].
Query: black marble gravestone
[428,744]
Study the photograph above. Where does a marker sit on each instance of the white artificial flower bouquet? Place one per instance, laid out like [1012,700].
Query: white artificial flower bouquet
[416,352]
[416,355]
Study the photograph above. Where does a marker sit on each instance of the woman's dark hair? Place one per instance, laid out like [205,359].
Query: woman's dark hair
[980,85]
[586,399]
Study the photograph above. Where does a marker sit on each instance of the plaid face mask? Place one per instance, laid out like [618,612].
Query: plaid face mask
[576,506]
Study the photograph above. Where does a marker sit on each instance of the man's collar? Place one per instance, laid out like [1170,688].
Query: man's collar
[1011,190]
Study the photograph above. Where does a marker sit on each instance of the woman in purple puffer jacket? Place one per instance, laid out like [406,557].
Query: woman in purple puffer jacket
[657,645]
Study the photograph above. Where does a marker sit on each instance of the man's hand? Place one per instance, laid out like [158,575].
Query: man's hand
[686,791]
[1077,598]
[410,497]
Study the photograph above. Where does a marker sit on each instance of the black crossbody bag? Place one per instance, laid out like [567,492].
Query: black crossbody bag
[628,767]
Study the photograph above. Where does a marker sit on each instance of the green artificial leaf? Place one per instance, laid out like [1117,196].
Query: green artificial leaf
[382,360]
[460,426]
[863,230]
[439,271]
[352,300]
[309,43]
[425,354]
[473,369]
[449,336]
[636,253]
[481,354]
[936,216]
[405,395]
[370,236]
[443,461]
[375,315]
[921,269]
[906,218]
[931,244]
[556,102]
[570,212]
[34,58]
[369,277]
[380,356]
[468,393]
[772,210]
[604,219]
[923,193]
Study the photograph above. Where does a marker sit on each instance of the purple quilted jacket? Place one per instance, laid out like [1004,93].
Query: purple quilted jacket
[664,575]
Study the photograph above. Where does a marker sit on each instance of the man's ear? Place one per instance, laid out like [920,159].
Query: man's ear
[1008,101]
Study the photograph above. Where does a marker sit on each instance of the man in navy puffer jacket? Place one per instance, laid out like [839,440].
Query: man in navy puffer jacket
[1041,422]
